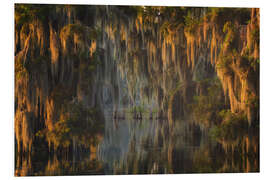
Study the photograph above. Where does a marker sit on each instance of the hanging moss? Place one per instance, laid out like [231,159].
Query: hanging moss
[153,49]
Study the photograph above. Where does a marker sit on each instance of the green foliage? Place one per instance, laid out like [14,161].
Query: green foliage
[88,66]
[22,14]
[255,35]
[25,13]
[252,100]
[206,106]
[230,40]
[36,65]
[233,126]
[87,69]
[249,60]
[255,63]
[96,60]
[164,29]
[24,69]
[84,13]
[131,10]
[190,20]
[95,33]
[61,94]
[228,27]
[139,108]
[174,17]
[84,32]
[75,123]
[171,17]
[75,28]
[224,63]
[20,70]
[215,132]
[222,15]
[150,11]
[191,23]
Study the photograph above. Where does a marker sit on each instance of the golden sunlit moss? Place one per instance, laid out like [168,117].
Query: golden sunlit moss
[153,48]
[41,66]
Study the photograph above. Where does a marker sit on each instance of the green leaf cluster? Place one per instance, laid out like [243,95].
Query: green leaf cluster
[233,126]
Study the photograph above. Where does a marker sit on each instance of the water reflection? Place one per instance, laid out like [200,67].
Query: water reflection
[148,146]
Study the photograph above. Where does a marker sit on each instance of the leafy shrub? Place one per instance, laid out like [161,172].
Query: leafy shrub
[231,38]
[25,13]
[255,35]
[224,62]
[191,23]
[206,106]
[75,123]
[20,70]
[233,126]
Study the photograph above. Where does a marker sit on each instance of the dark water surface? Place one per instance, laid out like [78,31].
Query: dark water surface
[143,146]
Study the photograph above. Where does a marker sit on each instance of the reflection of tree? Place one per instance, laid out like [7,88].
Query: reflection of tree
[67,167]
[178,151]
[75,138]
[76,126]
[23,166]
[61,165]
[227,158]
[149,153]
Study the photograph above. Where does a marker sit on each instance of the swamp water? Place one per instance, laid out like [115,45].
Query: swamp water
[143,146]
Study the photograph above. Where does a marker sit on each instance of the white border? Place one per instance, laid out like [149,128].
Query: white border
[7,84]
